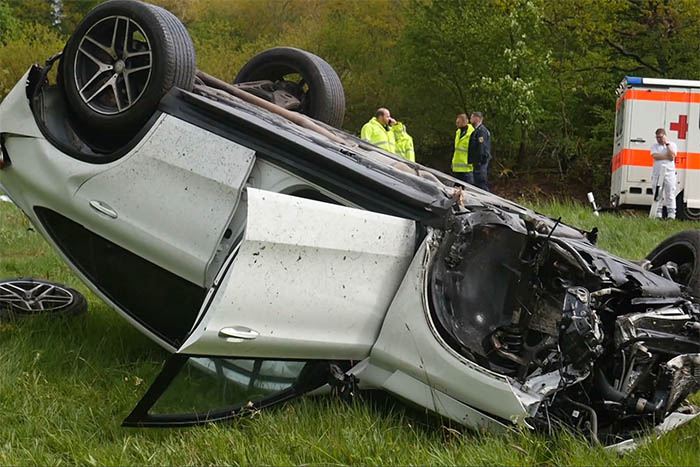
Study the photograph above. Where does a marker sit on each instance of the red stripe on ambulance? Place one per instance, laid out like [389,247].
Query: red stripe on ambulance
[642,158]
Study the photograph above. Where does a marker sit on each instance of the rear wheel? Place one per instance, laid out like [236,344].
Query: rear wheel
[26,297]
[307,77]
[684,212]
[121,60]
[683,249]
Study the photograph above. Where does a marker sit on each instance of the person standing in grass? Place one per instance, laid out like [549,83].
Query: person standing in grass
[462,169]
[664,154]
[480,150]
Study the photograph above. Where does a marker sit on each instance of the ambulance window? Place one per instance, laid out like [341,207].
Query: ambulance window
[619,120]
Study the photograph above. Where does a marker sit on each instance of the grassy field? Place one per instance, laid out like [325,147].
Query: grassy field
[66,385]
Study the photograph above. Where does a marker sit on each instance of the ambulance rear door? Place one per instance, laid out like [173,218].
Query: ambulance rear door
[619,173]
[647,112]
[684,120]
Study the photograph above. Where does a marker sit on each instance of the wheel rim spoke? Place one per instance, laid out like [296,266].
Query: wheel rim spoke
[115,91]
[102,65]
[106,49]
[91,80]
[129,71]
[114,37]
[17,292]
[137,54]
[7,299]
[101,88]
[127,85]
[125,44]
[35,289]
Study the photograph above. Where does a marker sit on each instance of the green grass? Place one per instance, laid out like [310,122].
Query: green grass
[66,385]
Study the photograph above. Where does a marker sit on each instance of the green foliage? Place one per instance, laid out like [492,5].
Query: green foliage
[31,42]
[31,11]
[477,56]
[544,72]
[8,23]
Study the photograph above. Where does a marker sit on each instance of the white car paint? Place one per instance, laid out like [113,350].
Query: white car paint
[174,194]
[310,279]
[408,344]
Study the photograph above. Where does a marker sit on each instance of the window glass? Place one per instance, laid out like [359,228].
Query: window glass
[620,117]
[207,384]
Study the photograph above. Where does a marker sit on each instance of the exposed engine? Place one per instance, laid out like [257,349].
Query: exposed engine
[611,346]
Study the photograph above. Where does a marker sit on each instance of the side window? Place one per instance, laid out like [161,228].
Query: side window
[196,390]
[620,117]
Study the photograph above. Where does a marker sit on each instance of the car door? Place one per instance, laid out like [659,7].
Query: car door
[172,198]
[310,283]
[150,230]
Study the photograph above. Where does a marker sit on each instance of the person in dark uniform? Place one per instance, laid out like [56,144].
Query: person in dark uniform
[480,150]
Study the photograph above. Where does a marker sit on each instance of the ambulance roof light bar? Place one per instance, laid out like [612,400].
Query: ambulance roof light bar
[681,83]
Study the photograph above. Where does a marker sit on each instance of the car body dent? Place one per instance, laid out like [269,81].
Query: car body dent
[408,342]
[311,278]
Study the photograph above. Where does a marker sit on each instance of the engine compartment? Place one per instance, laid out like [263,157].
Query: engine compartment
[611,345]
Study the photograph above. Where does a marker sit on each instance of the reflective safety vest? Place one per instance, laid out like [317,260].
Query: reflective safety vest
[375,133]
[404,142]
[460,159]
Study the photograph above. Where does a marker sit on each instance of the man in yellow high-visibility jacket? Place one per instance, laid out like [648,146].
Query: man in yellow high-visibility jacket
[462,169]
[378,130]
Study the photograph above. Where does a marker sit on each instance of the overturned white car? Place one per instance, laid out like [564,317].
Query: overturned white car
[273,254]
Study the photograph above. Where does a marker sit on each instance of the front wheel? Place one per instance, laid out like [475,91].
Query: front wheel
[683,249]
[121,60]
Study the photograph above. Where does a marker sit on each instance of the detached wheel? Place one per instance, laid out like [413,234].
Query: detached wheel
[684,212]
[306,76]
[26,297]
[121,60]
[683,249]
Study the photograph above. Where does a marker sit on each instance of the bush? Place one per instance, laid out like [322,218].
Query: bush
[17,53]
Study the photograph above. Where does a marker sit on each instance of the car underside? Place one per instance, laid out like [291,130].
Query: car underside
[259,244]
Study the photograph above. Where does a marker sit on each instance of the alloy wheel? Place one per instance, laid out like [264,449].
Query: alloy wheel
[113,65]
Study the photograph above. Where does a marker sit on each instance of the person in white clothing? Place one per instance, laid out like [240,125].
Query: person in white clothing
[664,154]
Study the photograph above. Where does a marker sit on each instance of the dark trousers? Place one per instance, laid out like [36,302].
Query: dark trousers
[466,177]
[481,176]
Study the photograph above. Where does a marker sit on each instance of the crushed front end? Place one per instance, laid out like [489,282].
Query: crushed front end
[611,347]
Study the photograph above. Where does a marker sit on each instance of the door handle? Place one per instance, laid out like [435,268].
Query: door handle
[638,140]
[103,208]
[238,332]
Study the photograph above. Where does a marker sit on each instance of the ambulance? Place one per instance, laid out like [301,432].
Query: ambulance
[643,105]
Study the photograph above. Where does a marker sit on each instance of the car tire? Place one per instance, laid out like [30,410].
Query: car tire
[123,57]
[24,297]
[683,249]
[684,212]
[320,90]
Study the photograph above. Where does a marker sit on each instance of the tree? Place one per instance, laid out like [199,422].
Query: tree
[466,56]
[8,23]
